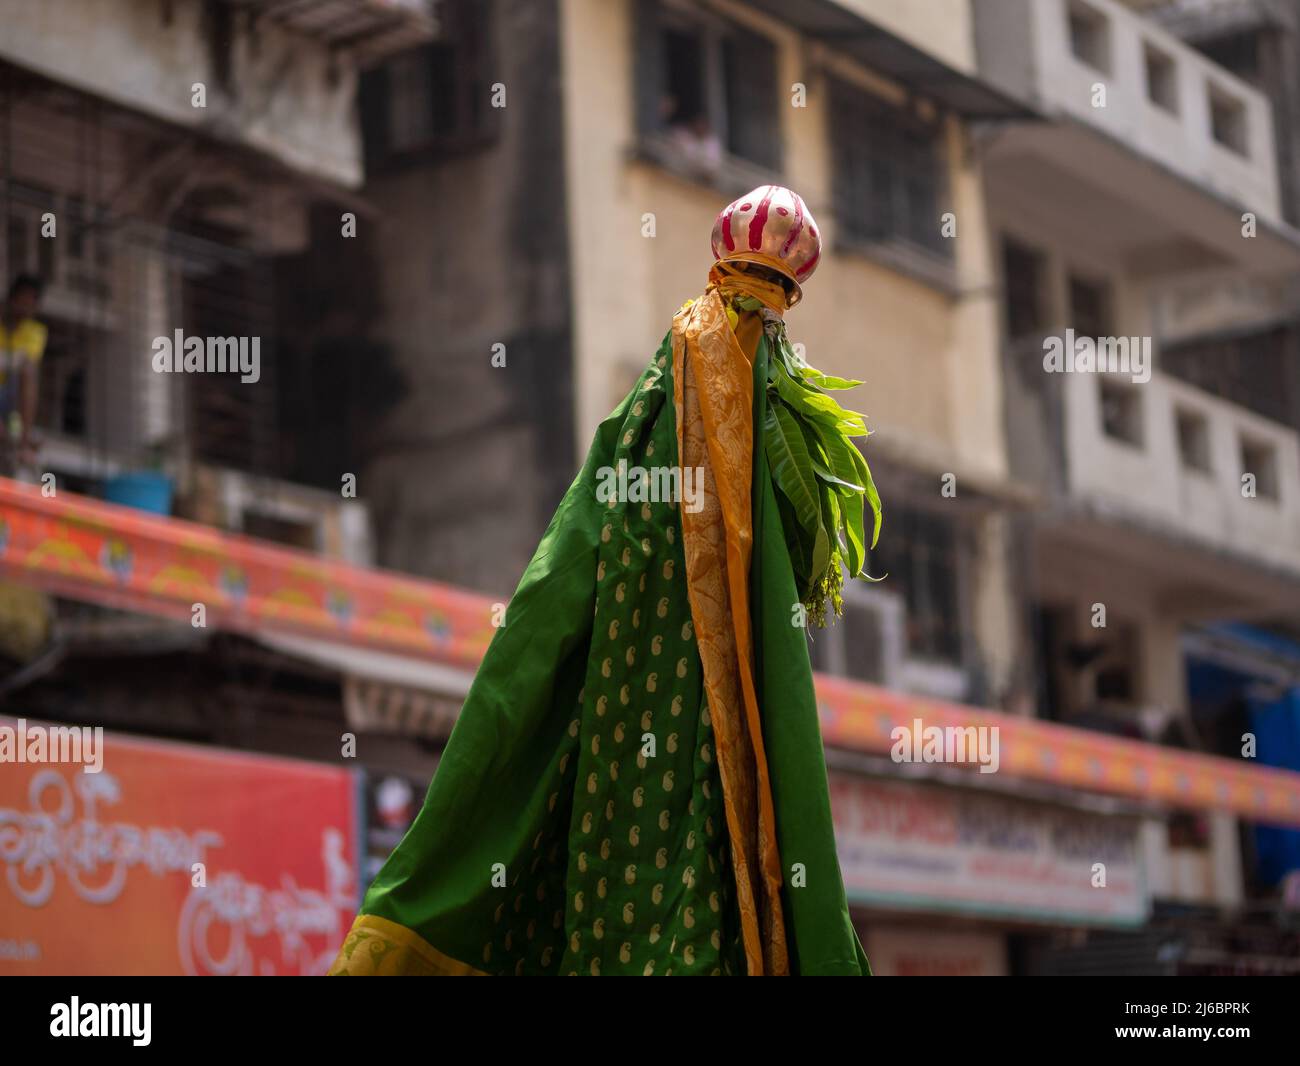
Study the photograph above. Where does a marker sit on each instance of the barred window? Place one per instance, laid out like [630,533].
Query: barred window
[1256,370]
[1022,290]
[920,557]
[707,87]
[1090,307]
[434,98]
[889,172]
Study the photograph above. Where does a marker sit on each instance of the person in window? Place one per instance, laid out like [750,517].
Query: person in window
[636,783]
[692,137]
[22,344]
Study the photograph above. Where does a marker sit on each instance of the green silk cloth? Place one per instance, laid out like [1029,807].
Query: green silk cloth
[575,823]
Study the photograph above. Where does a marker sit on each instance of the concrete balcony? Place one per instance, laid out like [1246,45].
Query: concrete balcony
[1171,458]
[278,78]
[1165,139]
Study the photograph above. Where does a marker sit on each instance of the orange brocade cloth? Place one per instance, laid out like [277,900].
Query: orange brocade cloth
[714,398]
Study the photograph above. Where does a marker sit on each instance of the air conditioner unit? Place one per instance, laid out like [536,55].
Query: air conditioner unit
[295,515]
[867,643]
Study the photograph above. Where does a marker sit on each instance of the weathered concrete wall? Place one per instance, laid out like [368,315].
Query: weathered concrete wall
[941,27]
[271,90]
[464,470]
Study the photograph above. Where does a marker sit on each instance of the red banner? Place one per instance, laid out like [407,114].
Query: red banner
[175,860]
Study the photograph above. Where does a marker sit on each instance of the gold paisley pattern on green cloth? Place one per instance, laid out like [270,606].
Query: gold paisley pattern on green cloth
[649,888]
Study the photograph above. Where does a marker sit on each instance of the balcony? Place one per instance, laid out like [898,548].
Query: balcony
[370,29]
[277,78]
[1174,459]
[1132,108]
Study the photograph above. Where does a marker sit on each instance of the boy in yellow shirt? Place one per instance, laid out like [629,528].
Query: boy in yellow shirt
[22,344]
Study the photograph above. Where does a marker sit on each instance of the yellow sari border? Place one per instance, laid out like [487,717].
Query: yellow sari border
[376,947]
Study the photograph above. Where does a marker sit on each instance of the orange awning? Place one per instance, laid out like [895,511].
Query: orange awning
[118,557]
[861,717]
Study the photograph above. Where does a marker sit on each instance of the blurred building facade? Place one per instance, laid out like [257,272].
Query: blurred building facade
[531,184]
[165,169]
[1168,498]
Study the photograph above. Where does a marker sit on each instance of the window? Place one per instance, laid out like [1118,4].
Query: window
[1256,370]
[1162,79]
[1089,677]
[1228,121]
[80,262]
[410,89]
[920,556]
[859,642]
[889,172]
[18,245]
[1110,659]
[706,89]
[1238,53]
[1121,412]
[749,82]
[296,533]
[1188,829]
[1089,36]
[435,98]
[1022,292]
[86,260]
[1051,631]
[1089,307]
[1193,440]
[1260,459]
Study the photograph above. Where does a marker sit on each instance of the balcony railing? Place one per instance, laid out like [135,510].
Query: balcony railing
[1179,457]
[1096,62]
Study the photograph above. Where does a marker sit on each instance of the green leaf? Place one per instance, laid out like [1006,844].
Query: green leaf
[824,542]
[844,453]
[818,406]
[787,454]
[840,453]
[873,500]
[830,479]
[831,513]
[805,400]
[853,536]
[799,541]
[846,423]
[827,381]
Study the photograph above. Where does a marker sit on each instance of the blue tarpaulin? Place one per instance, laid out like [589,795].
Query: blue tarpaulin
[1276,725]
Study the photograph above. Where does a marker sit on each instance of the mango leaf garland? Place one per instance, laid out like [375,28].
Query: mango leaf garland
[824,483]
[791,463]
